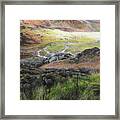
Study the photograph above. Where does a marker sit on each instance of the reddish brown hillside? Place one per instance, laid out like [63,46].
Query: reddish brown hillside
[65,25]
[64,65]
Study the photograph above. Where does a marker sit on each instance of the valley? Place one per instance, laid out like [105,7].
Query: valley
[59,60]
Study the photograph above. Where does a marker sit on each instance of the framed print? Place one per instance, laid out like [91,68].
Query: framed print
[60,60]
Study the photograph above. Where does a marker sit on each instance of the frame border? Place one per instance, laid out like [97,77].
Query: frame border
[69,2]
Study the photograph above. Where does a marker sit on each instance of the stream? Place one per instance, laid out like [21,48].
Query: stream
[52,54]
[95,35]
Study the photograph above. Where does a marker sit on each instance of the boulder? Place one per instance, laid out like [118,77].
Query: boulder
[58,56]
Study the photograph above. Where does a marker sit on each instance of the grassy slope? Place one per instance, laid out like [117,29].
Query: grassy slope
[87,88]
[49,35]
[44,37]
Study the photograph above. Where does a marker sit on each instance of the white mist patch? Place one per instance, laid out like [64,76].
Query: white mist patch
[95,35]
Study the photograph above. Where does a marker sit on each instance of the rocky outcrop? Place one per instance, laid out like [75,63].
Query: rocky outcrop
[57,57]
[33,76]
[88,55]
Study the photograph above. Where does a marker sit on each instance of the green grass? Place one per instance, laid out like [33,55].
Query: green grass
[78,47]
[58,37]
[87,88]
[49,35]
[55,47]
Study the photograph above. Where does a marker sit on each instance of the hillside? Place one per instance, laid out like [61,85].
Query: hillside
[65,25]
[59,59]
[63,72]
[89,58]
[53,34]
